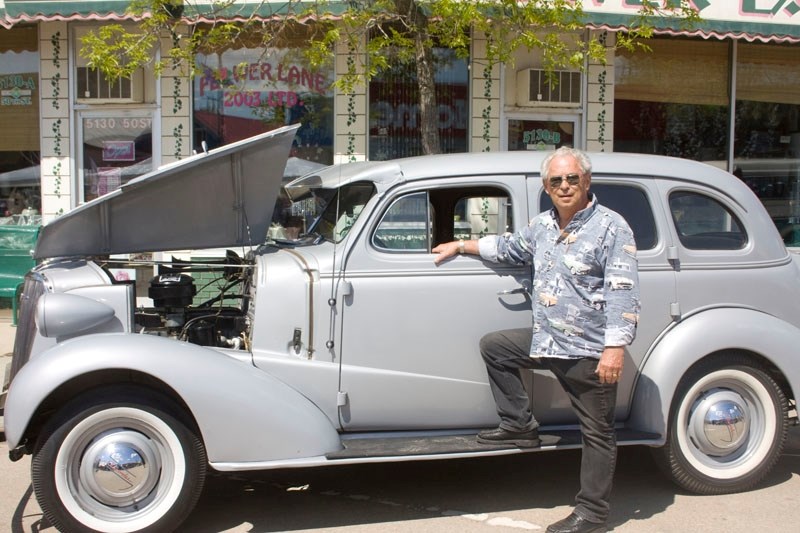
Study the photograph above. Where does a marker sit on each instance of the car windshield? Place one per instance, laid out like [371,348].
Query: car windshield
[309,213]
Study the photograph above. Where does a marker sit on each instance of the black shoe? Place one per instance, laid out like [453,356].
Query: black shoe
[523,439]
[575,524]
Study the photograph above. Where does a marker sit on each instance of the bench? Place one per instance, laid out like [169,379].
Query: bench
[16,244]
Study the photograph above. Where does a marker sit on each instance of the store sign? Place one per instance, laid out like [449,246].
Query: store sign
[760,11]
[541,136]
[240,80]
[17,89]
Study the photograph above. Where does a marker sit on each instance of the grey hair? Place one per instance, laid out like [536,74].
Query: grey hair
[583,160]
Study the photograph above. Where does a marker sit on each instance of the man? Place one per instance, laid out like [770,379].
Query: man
[585,310]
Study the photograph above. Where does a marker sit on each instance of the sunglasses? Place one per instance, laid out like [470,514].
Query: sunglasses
[572,180]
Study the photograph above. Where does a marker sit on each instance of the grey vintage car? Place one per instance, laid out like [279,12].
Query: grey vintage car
[346,344]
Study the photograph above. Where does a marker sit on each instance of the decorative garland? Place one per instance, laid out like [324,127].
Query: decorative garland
[601,116]
[177,102]
[177,131]
[55,41]
[486,114]
[351,105]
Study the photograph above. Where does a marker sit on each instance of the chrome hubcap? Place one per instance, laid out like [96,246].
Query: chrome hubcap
[719,423]
[120,468]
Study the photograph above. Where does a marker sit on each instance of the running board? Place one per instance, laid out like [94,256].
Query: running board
[399,446]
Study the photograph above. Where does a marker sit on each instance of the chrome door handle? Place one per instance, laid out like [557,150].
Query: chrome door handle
[518,290]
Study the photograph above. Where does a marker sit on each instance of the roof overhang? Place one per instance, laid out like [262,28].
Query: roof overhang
[773,21]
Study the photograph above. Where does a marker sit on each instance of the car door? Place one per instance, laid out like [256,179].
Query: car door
[722,256]
[411,329]
[638,200]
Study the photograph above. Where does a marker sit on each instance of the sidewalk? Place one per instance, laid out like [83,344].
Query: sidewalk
[7,332]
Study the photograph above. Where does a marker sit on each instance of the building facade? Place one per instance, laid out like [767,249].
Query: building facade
[726,92]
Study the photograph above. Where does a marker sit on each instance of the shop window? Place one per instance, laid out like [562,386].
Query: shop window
[673,100]
[247,91]
[703,223]
[394,127]
[117,147]
[767,131]
[20,171]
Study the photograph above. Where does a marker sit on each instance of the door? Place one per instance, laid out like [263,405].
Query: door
[411,329]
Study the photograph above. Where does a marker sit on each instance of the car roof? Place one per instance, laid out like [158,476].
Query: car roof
[386,174]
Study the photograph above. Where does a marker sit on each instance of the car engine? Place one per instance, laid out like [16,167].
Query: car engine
[219,321]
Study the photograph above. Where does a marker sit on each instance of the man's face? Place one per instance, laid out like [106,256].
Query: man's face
[567,199]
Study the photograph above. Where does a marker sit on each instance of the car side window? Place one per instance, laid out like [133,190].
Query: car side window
[705,224]
[630,202]
[405,225]
[419,221]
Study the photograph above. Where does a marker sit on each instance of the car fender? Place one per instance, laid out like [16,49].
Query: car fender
[243,413]
[697,336]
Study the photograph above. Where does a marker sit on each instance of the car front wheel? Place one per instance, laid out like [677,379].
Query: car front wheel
[728,425]
[117,461]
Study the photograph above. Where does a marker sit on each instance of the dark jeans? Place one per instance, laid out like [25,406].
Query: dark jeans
[505,353]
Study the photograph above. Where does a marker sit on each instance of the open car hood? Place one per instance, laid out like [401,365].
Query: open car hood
[224,197]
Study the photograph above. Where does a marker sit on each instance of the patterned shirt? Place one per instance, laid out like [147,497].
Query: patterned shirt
[585,281]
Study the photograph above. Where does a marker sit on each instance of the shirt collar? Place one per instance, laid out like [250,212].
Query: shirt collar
[581,216]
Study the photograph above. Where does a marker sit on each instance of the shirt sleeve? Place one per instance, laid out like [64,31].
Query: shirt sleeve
[513,248]
[621,288]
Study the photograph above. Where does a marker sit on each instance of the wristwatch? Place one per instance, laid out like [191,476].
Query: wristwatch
[461,246]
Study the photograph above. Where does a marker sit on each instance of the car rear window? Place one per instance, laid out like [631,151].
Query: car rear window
[703,223]
[630,202]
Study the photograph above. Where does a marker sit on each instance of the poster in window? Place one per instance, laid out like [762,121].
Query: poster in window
[108,179]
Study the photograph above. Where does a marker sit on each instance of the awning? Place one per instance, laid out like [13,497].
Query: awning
[197,11]
[751,20]
[15,11]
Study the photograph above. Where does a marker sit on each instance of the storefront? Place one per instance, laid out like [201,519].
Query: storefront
[726,92]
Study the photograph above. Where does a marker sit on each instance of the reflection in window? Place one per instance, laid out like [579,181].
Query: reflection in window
[705,224]
[246,91]
[116,149]
[767,138]
[20,170]
[662,106]
[405,225]
[394,108]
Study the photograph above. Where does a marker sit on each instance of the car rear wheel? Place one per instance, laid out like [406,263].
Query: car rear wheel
[727,428]
[118,461]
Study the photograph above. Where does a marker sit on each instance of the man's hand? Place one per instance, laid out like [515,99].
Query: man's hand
[609,369]
[445,250]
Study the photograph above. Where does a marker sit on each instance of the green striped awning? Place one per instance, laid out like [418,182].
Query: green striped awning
[743,19]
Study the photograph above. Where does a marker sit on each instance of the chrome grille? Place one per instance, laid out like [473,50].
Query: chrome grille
[26,327]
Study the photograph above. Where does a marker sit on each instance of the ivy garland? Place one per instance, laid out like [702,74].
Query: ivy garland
[351,105]
[177,132]
[486,114]
[177,102]
[55,41]
[601,116]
